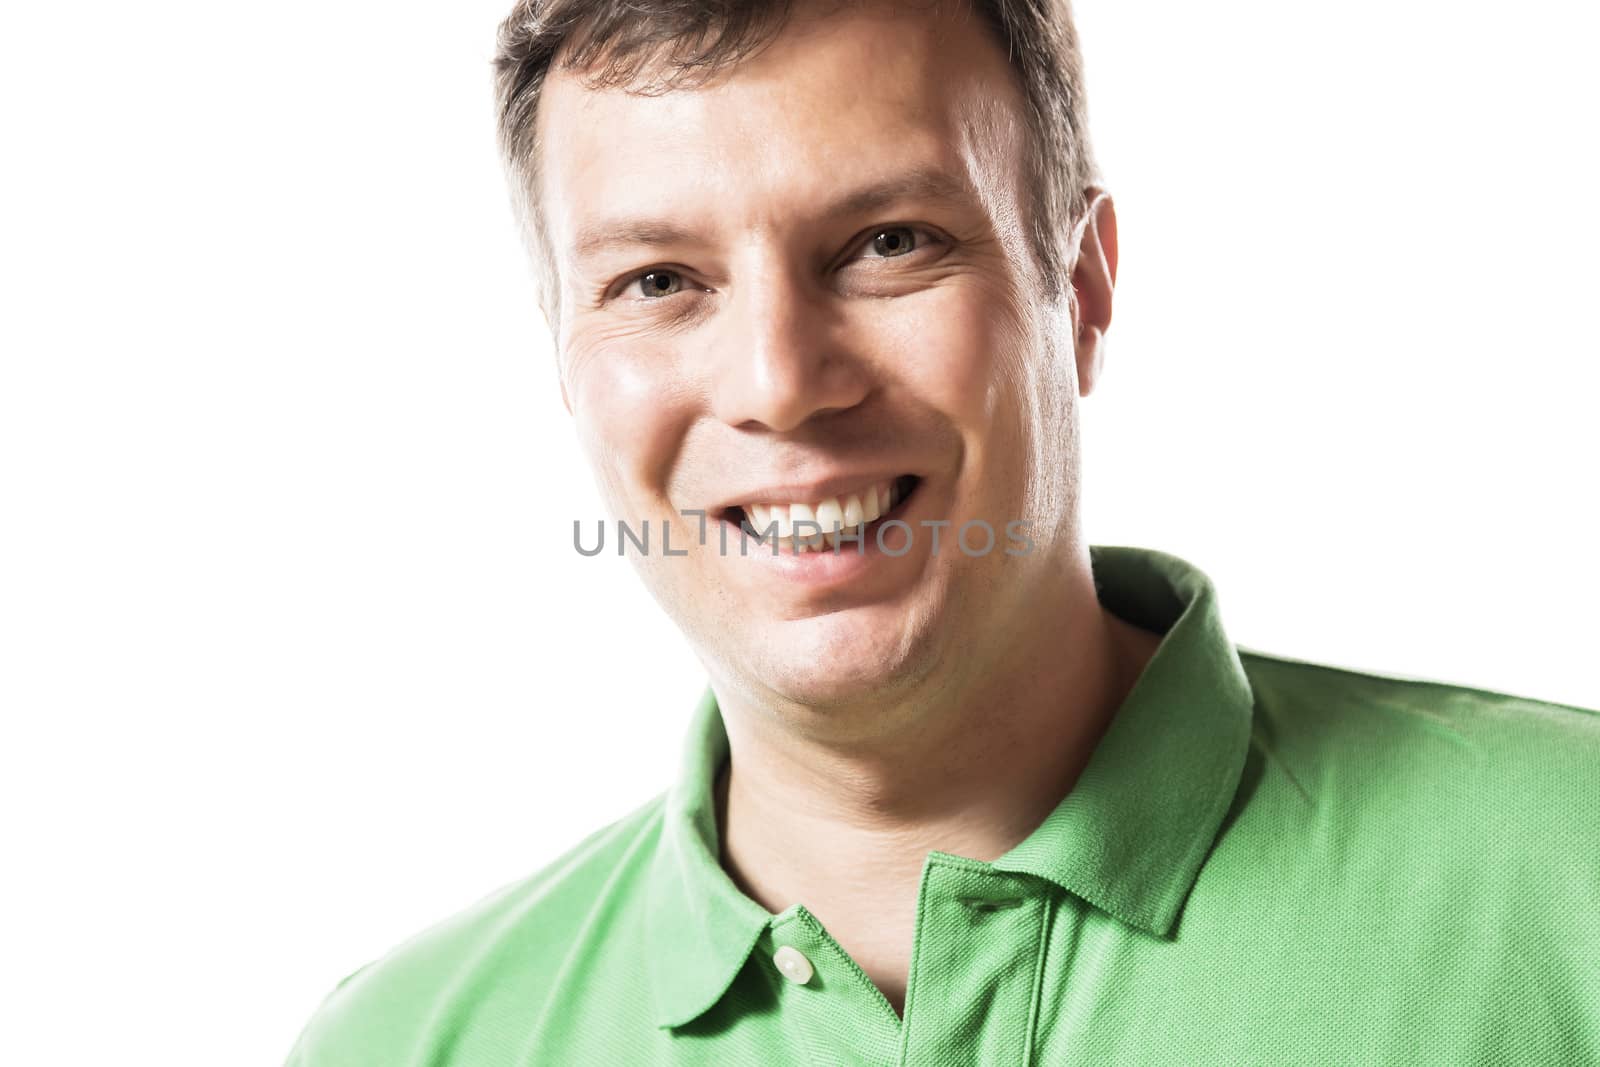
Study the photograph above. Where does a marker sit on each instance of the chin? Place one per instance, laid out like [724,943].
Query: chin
[849,657]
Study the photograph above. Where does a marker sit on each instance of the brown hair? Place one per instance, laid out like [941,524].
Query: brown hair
[614,41]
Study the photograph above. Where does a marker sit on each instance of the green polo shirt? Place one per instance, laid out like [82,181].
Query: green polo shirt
[1264,862]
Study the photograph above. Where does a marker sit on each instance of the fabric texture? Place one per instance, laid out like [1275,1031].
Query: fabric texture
[1264,862]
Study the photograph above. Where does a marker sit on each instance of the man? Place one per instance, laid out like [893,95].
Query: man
[963,789]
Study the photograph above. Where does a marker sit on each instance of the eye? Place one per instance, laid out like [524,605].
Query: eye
[897,242]
[893,241]
[659,283]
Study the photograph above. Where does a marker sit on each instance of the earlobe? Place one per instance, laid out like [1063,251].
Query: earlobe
[1093,280]
[1091,355]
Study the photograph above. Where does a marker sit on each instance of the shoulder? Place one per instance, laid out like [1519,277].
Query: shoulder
[492,957]
[1438,838]
[1371,749]
[1374,706]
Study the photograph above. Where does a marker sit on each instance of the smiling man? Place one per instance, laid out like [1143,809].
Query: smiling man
[962,789]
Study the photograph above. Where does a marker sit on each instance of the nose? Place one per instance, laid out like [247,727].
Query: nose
[781,361]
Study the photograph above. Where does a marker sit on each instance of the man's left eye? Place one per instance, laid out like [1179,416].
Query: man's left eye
[893,241]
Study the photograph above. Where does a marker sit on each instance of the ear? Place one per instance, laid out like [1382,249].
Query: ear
[1093,278]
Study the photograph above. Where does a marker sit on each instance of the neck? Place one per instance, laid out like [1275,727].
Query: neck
[969,764]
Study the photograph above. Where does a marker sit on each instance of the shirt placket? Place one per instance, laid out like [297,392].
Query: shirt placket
[973,990]
[978,959]
[834,1013]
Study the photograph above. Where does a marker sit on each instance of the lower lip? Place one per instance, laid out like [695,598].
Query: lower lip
[828,565]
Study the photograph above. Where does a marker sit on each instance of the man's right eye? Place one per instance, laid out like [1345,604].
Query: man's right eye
[660,283]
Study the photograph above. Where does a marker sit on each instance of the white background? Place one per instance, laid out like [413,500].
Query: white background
[295,655]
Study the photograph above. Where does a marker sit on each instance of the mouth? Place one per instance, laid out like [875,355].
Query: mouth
[817,525]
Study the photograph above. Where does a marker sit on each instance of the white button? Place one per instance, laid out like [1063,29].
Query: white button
[793,963]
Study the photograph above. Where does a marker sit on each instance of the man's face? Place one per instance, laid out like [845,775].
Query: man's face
[807,281]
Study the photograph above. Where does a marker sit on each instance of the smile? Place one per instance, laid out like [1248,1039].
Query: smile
[808,526]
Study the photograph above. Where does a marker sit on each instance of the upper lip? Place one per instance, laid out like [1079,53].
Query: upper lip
[808,492]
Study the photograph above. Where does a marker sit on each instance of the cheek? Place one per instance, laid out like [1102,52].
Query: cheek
[957,350]
[631,409]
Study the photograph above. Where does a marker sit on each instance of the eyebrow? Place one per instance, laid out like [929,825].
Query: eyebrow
[919,183]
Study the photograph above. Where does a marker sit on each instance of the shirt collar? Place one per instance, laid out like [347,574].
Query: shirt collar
[1129,838]
[700,925]
[1132,834]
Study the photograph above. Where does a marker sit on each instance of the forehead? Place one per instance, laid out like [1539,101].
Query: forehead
[838,98]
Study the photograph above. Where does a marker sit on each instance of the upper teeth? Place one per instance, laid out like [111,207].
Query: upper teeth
[836,515]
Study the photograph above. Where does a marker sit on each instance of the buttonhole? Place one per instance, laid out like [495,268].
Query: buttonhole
[983,904]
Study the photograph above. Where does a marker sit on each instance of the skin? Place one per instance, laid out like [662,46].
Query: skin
[936,701]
